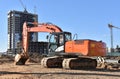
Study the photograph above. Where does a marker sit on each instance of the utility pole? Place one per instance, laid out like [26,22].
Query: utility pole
[111,35]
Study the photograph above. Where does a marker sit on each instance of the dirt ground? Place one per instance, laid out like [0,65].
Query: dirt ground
[32,70]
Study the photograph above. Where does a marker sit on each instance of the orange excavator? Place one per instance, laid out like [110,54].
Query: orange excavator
[63,51]
[73,54]
[21,58]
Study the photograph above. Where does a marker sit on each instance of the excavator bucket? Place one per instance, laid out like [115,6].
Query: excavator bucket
[20,59]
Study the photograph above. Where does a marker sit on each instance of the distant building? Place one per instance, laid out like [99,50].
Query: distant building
[15,26]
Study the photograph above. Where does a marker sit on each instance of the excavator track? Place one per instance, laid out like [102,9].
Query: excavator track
[52,62]
[79,63]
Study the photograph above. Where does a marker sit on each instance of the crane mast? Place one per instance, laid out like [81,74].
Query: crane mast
[111,35]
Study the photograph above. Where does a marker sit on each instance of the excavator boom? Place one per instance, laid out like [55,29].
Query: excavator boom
[20,59]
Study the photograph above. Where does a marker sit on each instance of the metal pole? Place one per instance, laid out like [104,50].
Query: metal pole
[111,35]
[112,50]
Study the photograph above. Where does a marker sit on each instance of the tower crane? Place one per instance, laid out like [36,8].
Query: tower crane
[25,10]
[111,34]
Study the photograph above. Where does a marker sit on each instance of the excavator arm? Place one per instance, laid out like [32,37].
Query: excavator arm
[20,59]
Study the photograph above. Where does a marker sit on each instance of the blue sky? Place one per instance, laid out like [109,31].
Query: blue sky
[88,18]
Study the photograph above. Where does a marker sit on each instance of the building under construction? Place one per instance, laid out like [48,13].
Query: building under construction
[15,26]
[35,47]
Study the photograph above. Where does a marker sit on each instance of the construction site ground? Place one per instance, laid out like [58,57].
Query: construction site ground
[33,70]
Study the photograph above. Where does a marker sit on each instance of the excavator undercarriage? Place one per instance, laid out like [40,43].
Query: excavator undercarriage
[80,62]
[69,63]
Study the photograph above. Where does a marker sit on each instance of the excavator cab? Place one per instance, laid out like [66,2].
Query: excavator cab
[57,41]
